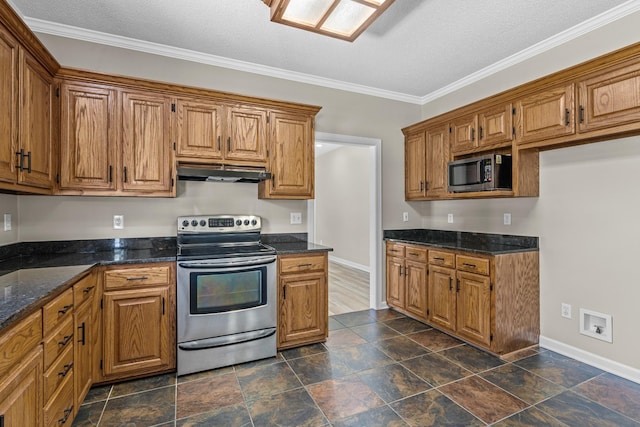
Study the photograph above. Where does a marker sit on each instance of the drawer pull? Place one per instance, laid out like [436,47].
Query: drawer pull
[395,251]
[438,259]
[65,309]
[67,368]
[131,279]
[469,265]
[414,253]
[87,289]
[67,412]
[304,265]
[65,340]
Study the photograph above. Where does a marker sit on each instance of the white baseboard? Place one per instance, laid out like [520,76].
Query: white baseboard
[349,263]
[600,362]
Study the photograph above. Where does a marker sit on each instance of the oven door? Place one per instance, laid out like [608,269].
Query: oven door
[225,296]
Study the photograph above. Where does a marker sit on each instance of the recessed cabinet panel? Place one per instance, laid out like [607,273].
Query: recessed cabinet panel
[464,133]
[414,163]
[247,135]
[199,129]
[8,106]
[88,145]
[474,308]
[495,125]
[547,114]
[442,297]
[437,155]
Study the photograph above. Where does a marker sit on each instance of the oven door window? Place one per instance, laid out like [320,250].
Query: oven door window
[218,292]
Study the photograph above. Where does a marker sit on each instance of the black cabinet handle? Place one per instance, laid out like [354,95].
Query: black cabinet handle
[469,265]
[218,142]
[137,278]
[82,337]
[438,259]
[421,185]
[125,174]
[473,134]
[480,132]
[458,285]
[28,156]
[566,116]
[450,283]
[228,143]
[67,412]
[304,265]
[581,114]
[20,155]
[66,370]
[163,301]
[110,173]
[65,309]
[65,341]
[414,253]
[87,289]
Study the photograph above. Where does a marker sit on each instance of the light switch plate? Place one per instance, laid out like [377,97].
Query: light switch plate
[296,218]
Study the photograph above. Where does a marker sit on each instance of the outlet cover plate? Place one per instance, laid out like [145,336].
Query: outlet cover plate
[565,310]
[296,218]
[118,222]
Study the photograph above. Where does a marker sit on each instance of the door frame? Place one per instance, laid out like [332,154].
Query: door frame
[376,300]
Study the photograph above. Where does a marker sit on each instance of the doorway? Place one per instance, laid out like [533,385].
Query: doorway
[370,149]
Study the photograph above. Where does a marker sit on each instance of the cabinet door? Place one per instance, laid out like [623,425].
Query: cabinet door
[463,133]
[21,393]
[303,307]
[138,336]
[437,159]
[8,106]
[495,125]
[83,352]
[291,156]
[474,308]
[146,150]
[414,166]
[246,135]
[548,114]
[395,282]
[36,135]
[88,137]
[442,297]
[610,99]
[199,129]
[416,292]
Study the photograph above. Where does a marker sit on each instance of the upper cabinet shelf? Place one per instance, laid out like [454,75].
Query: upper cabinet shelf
[590,102]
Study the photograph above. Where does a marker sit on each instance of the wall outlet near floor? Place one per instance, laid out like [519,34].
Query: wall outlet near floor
[565,310]
[296,218]
[7,222]
[405,216]
[507,219]
[450,218]
[118,222]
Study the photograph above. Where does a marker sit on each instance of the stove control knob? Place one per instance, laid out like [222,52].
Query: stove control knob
[239,222]
[254,222]
[185,223]
[246,222]
[203,223]
[194,222]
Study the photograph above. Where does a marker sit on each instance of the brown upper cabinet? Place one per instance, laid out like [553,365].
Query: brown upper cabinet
[426,158]
[208,131]
[490,126]
[291,158]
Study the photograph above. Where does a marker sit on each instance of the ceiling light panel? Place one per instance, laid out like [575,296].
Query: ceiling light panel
[306,12]
[347,17]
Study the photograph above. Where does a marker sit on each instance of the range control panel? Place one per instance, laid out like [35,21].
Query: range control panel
[219,223]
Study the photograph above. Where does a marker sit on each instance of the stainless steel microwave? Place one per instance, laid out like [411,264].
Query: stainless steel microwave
[482,173]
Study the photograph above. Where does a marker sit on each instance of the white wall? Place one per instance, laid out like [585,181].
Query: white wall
[9,204]
[342,203]
[586,215]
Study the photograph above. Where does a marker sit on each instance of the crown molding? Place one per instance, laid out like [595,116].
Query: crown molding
[572,33]
[68,31]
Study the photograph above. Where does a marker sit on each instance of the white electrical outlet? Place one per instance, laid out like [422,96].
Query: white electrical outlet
[565,310]
[7,222]
[450,218]
[405,216]
[296,218]
[507,219]
[118,222]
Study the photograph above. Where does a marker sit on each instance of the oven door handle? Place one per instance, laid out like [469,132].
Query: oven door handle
[227,340]
[253,262]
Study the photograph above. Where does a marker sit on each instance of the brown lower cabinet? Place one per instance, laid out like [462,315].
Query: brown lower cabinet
[302,299]
[139,320]
[491,301]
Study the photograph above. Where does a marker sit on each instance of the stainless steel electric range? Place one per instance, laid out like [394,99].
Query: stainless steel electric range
[226,296]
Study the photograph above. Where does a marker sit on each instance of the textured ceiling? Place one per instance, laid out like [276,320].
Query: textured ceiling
[414,49]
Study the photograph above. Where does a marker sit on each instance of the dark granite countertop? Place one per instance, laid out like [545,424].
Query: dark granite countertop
[32,273]
[481,243]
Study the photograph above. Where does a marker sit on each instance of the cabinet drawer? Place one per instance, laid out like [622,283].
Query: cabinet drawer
[415,253]
[58,342]
[56,374]
[395,249]
[445,259]
[19,340]
[473,264]
[136,277]
[59,410]
[57,311]
[84,290]
[302,264]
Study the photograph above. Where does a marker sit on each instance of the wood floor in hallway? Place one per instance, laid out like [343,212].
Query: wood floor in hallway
[348,289]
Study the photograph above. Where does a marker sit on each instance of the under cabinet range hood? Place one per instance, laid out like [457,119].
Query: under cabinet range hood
[222,173]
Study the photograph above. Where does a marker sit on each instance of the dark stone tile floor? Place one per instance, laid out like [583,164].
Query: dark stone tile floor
[378,368]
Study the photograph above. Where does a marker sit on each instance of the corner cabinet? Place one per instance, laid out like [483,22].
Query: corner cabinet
[491,301]
[303,307]
[291,157]
[139,320]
